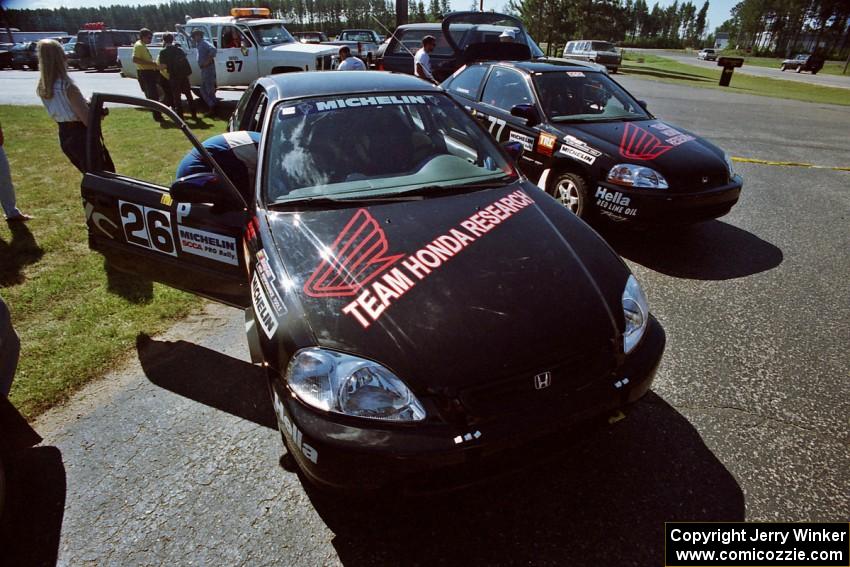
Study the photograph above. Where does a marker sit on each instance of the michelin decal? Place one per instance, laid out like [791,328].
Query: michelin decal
[526,141]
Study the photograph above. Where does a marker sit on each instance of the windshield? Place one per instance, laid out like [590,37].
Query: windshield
[356,36]
[272,34]
[404,142]
[581,96]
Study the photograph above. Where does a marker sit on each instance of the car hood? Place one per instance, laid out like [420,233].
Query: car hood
[679,155]
[416,289]
[306,48]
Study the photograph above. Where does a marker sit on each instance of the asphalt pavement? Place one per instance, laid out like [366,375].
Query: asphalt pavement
[840,81]
[174,459]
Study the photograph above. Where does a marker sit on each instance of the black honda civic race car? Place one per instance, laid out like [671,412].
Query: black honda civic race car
[594,147]
[429,311]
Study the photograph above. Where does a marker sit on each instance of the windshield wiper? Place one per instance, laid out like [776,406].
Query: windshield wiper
[335,201]
[438,190]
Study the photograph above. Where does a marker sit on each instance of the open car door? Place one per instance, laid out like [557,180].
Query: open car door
[142,227]
[484,46]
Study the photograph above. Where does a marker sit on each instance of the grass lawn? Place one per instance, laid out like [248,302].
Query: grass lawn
[72,320]
[667,70]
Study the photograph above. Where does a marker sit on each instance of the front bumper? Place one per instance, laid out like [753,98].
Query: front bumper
[343,453]
[665,206]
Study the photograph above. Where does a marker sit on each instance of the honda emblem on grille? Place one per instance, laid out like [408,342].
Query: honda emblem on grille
[543,380]
[705,179]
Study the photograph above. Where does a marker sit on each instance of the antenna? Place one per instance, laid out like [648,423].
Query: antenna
[392,34]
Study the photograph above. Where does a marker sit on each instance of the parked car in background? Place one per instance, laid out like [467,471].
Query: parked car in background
[362,43]
[601,52]
[71,58]
[594,147]
[6,55]
[803,62]
[24,55]
[707,54]
[98,47]
[461,37]
[311,37]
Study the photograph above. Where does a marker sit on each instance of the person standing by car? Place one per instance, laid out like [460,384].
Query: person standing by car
[422,59]
[147,70]
[65,104]
[174,65]
[7,190]
[206,61]
[234,152]
[349,62]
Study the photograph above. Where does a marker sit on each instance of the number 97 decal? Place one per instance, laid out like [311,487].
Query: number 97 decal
[148,228]
[234,66]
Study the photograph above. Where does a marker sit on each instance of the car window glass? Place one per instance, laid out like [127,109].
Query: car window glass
[356,36]
[468,83]
[505,89]
[272,34]
[584,96]
[412,41]
[423,140]
[570,47]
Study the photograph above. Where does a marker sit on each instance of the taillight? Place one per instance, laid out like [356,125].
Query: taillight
[380,66]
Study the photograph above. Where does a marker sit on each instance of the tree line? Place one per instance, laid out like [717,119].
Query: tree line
[784,27]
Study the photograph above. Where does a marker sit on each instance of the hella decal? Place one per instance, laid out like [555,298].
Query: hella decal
[356,261]
[293,432]
[614,202]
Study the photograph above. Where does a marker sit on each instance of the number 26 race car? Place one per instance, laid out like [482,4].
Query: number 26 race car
[423,312]
[594,147]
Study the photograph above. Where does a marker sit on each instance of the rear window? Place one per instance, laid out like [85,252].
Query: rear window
[412,41]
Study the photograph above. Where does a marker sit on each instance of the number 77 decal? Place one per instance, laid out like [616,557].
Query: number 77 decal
[496,122]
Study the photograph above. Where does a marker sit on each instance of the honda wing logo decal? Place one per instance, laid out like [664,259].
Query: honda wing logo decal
[641,144]
[356,257]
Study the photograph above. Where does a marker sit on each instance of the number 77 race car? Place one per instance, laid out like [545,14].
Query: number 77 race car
[425,312]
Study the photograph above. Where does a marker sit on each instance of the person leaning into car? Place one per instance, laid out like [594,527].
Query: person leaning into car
[422,59]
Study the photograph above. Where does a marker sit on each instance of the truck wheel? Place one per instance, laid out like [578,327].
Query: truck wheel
[570,189]
[814,72]
[614,70]
[782,67]
[799,68]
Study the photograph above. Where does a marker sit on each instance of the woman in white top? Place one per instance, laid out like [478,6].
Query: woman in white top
[65,104]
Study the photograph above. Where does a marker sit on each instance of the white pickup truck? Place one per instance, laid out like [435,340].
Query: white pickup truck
[249,46]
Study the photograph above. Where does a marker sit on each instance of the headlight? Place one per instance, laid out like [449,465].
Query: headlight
[636,176]
[341,383]
[636,313]
[728,159]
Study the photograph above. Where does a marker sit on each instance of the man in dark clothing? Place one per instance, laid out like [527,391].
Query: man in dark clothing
[234,152]
[177,69]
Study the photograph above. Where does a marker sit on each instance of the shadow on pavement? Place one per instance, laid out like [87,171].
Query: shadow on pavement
[603,501]
[22,250]
[711,250]
[31,516]
[208,377]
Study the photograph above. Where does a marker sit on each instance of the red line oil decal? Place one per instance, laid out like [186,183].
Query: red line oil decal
[354,259]
[374,298]
[641,144]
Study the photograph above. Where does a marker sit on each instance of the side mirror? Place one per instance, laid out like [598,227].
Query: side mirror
[513,149]
[643,104]
[526,111]
[199,188]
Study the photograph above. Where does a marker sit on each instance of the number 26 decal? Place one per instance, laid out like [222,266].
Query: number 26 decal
[146,227]
[234,66]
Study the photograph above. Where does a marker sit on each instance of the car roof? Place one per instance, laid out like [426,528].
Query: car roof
[332,83]
[549,65]
[231,20]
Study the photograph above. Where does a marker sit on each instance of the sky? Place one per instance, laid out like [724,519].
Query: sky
[718,10]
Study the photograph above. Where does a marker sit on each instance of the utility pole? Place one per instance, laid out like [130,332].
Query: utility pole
[400,12]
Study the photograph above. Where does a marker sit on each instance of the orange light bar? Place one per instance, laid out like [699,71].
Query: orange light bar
[250,12]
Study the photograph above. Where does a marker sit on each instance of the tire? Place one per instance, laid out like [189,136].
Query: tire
[814,72]
[782,67]
[799,69]
[570,189]
[614,70]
